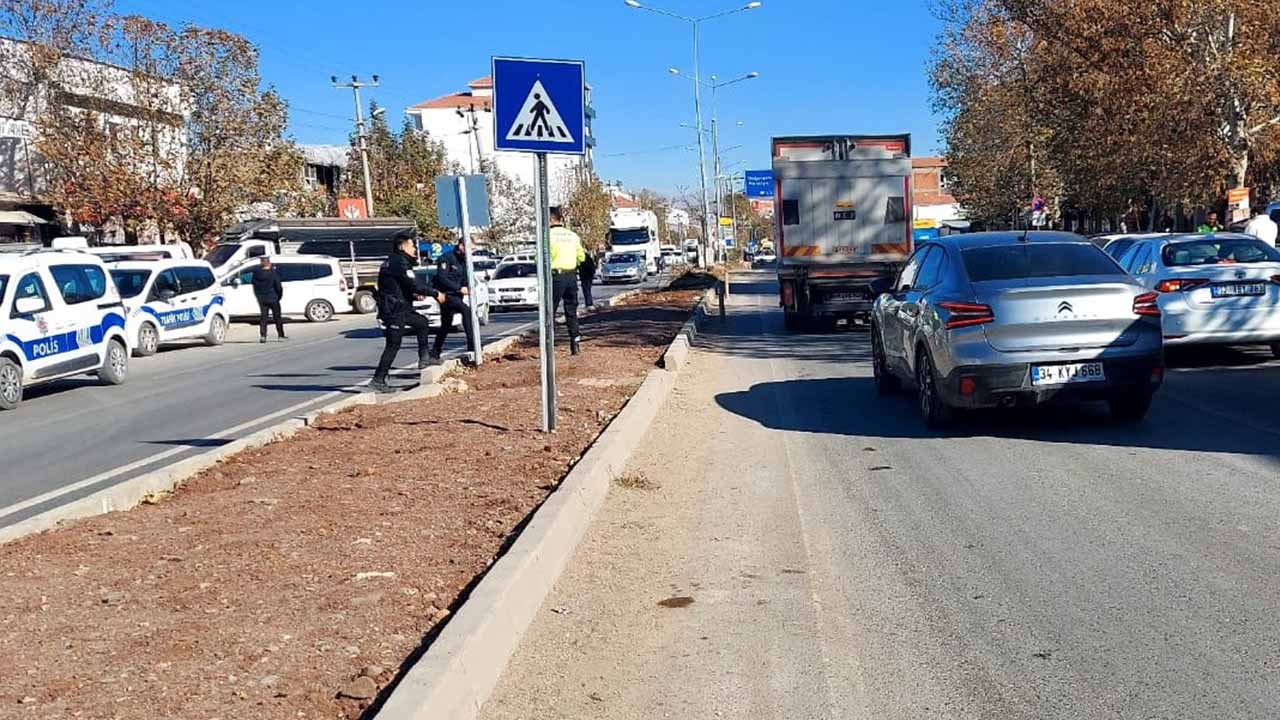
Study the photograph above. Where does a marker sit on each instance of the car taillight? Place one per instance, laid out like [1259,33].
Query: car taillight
[1180,284]
[342,284]
[963,314]
[1147,304]
[1275,279]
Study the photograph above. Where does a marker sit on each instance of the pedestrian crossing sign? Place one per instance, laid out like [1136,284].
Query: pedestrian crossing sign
[539,105]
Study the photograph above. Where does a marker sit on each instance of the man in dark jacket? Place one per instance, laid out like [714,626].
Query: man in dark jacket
[587,275]
[450,284]
[268,290]
[397,289]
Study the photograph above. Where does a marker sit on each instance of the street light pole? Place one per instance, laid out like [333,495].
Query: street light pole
[697,102]
[362,137]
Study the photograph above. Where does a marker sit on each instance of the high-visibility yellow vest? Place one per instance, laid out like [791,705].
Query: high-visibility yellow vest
[567,252]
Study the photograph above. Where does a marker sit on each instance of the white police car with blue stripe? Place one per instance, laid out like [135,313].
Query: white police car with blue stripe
[168,301]
[60,315]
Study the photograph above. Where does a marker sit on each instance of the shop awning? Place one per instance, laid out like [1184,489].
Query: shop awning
[20,217]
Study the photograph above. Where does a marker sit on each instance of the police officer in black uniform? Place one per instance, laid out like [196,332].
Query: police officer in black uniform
[450,283]
[397,289]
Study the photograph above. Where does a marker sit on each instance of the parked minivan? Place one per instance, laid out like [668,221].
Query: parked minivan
[169,300]
[314,287]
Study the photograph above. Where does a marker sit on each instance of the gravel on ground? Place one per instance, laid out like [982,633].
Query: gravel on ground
[295,580]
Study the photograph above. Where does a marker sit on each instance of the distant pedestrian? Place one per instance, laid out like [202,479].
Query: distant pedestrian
[268,291]
[587,275]
[567,255]
[1210,224]
[450,284]
[1262,226]
[397,289]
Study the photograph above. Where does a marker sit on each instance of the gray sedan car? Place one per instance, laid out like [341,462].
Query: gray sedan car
[1009,318]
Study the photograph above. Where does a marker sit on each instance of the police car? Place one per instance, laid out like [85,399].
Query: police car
[60,315]
[170,300]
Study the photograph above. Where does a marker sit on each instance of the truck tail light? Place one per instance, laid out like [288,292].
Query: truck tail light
[1180,284]
[962,314]
[1147,304]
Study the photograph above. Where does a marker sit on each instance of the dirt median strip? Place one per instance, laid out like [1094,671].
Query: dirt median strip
[270,585]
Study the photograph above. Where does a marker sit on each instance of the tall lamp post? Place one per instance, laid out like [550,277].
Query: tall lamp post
[715,86]
[696,22]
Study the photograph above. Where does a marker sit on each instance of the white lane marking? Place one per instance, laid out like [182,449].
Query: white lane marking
[65,489]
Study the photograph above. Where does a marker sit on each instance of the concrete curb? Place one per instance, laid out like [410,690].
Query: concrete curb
[457,673]
[132,492]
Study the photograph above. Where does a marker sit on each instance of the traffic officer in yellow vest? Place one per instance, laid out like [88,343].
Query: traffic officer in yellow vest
[567,254]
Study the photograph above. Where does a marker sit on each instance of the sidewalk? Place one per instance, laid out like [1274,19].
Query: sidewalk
[689,598]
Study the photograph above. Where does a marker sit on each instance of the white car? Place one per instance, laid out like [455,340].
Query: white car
[515,286]
[170,300]
[1215,289]
[314,287]
[430,309]
[60,315]
[120,253]
[520,257]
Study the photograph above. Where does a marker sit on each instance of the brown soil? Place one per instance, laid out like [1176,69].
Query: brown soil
[265,587]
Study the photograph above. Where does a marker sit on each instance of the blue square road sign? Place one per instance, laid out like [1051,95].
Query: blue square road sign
[539,106]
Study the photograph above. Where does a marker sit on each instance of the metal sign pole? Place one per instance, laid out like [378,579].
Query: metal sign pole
[477,346]
[546,306]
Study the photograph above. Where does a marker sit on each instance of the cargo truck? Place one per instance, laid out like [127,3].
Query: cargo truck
[633,230]
[842,204]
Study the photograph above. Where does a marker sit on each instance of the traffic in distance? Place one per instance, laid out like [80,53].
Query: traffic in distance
[70,309]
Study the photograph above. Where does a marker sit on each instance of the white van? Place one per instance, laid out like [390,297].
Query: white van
[314,287]
[170,300]
[60,315]
[119,253]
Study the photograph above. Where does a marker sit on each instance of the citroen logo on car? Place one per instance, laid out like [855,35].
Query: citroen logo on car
[1065,306]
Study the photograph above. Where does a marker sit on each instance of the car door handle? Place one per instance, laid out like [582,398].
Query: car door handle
[110,305]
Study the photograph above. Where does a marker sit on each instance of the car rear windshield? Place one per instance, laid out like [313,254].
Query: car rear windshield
[1215,251]
[130,282]
[515,270]
[1035,260]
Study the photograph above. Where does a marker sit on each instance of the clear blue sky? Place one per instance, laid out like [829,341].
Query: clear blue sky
[825,65]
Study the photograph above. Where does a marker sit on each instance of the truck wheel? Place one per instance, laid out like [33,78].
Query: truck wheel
[115,365]
[10,384]
[148,340]
[217,331]
[319,311]
[364,302]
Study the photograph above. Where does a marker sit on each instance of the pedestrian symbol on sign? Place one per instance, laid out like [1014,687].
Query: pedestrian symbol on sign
[539,119]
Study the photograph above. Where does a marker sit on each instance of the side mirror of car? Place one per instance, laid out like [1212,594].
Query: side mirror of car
[234,282]
[28,305]
[882,285]
[166,294]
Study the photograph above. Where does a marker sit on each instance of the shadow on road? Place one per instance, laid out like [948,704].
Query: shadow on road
[193,442]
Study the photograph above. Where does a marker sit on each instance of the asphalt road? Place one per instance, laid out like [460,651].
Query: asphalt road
[822,555]
[71,438]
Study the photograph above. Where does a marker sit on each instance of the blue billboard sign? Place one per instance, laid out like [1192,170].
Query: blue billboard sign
[759,183]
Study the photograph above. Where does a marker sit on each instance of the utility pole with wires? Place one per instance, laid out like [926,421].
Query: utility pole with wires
[361,135]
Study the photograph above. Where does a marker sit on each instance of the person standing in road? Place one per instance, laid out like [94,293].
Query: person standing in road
[268,290]
[450,284]
[397,289]
[587,274]
[1262,226]
[1210,224]
[567,256]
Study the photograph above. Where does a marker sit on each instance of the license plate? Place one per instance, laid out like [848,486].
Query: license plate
[1238,290]
[845,297]
[1063,374]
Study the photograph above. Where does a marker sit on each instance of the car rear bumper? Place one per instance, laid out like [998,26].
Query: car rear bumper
[1010,384]
[1222,337]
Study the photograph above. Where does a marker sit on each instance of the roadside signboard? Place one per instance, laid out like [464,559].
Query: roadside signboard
[448,207]
[352,208]
[759,183]
[539,105]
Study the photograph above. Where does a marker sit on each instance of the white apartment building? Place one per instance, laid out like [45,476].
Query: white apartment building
[120,98]
[463,122]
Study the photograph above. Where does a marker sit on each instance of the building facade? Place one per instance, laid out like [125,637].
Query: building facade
[931,201]
[119,98]
[463,123]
